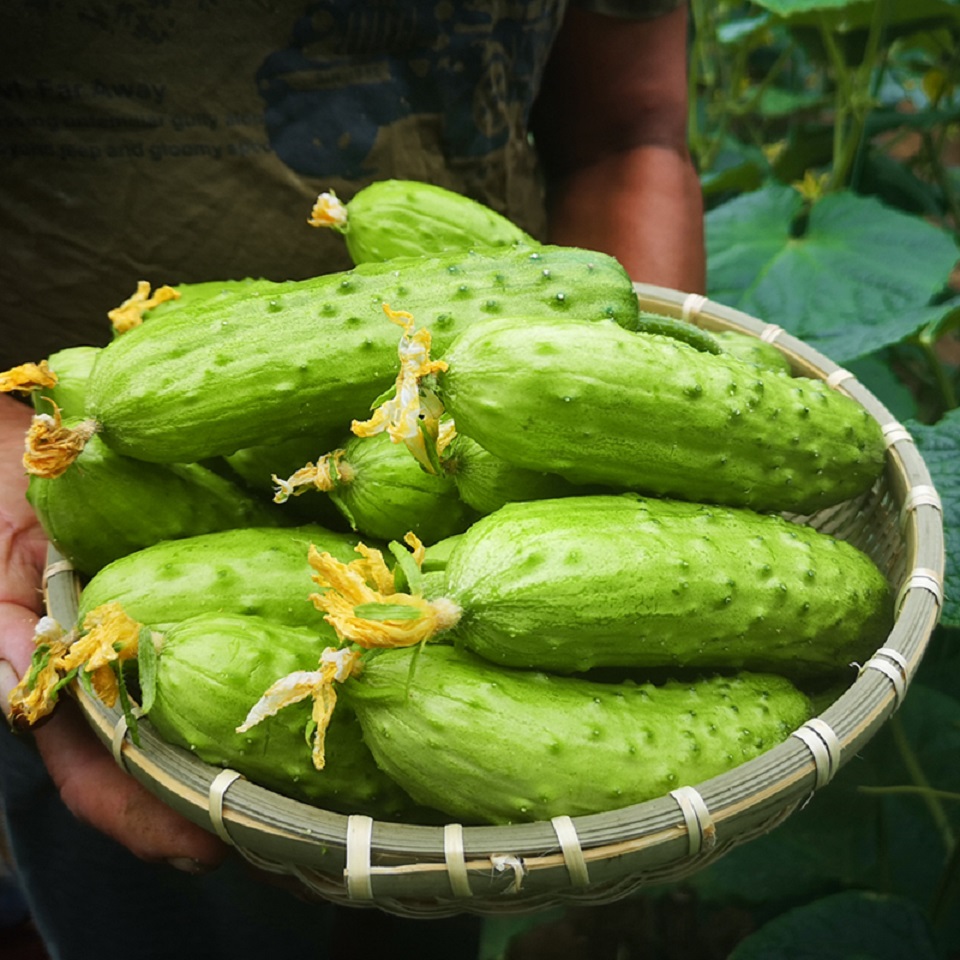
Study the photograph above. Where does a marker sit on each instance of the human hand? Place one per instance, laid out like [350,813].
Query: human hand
[92,786]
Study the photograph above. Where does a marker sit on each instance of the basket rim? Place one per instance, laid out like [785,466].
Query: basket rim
[453,868]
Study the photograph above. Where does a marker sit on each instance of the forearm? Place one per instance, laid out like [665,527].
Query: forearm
[643,206]
[611,128]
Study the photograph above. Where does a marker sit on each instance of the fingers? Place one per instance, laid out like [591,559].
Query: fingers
[92,786]
[97,791]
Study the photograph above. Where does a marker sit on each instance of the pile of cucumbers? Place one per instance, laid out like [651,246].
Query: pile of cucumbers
[622,605]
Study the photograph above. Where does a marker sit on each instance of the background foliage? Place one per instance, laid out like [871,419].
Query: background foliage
[827,133]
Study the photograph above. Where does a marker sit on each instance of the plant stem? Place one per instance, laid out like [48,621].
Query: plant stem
[945,389]
[919,778]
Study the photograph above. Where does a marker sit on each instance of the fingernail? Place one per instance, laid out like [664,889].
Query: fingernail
[8,680]
[188,865]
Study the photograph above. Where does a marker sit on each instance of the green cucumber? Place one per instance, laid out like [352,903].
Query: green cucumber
[287,358]
[408,218]
[599,404]
[72,367]
[106,505]
[211,667]
[490,745]
[262,571]
[383,492]
[753,350]
[627,581]
[486,482]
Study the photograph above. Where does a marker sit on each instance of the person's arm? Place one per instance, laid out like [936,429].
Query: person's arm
[90,782]
[611,128]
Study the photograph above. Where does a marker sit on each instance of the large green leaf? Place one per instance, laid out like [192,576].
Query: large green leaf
[855,925]
[860,277]
[939,446]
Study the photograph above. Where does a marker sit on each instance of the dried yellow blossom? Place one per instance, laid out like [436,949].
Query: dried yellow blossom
[27,378]
[327,473]
[328,211]
[130,313]
[362,604]
[50,447]
[109,636]
[336,666]
[35,696]
[412,415]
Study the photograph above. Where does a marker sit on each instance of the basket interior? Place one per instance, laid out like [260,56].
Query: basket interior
[432,871]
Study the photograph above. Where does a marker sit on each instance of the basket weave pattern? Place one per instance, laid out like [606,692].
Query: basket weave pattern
[432,871]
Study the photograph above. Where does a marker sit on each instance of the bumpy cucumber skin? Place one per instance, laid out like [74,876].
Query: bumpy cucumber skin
[192,295]
[212,668]
[626,581]
[599,404]
[486,482]
[406,218]
[263,571]
[106,505]
[286,358]
[389,494]
[72,365]
[488,744]
[753,350]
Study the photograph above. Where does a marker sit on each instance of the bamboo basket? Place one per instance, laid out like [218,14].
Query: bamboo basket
[430,871]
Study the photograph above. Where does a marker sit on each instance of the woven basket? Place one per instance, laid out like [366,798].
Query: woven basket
[425,871]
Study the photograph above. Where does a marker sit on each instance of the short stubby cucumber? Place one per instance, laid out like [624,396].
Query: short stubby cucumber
[486,482]
[106,505]
[72,367]
[257,467]
[404,218]
[486,744]
[627,581]
[251,570]
[287,358]
[210,669]
[599,404]
[383,492]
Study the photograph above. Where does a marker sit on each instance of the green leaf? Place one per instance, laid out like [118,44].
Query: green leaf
[854,925]
[939,445]
[875,373]
[147,668]
[860,277]
[386,611]
[407,567]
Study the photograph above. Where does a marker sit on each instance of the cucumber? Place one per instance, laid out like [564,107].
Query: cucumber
[599,404]
[408,218]
[486,744]
[627,581]
[579,583]
[261,571]
[144,305]
[486,482]
[105,505]
[72,367]
[287,358]
[753,350]
[208,670]
[383,492]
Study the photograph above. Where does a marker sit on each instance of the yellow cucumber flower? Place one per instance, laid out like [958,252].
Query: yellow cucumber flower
[130,313]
